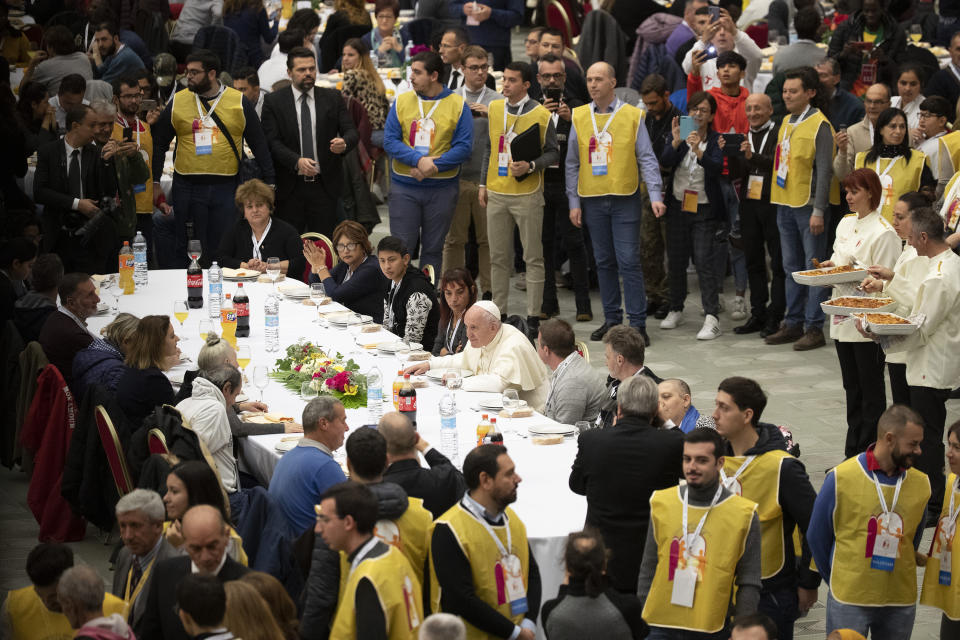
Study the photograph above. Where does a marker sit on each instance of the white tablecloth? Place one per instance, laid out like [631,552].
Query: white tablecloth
[545,503]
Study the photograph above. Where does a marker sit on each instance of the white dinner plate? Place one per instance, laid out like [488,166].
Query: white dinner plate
[240,275]
[294,289]
[391,346]
[552,430]
[285,445]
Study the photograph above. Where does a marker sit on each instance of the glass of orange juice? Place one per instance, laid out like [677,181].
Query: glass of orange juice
[180,312]
[243,357]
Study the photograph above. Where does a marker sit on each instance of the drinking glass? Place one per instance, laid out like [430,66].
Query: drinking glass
[193,249]
[452,379]
[243,357]
[916,32]
[307,391]
[206,328]
[511,402]
[317,294]
[273,271]
[261,378]
[180,312]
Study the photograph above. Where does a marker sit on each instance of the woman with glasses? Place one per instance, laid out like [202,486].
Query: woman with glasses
[385,38]
[901,169]
[357,281]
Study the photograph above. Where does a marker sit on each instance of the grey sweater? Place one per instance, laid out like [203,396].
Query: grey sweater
[470,170]
[822,165]
[748,568]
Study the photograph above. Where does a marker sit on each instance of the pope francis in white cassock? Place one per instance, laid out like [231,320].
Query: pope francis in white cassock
[499,356]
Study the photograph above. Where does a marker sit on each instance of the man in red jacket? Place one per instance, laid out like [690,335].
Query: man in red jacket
[731,116]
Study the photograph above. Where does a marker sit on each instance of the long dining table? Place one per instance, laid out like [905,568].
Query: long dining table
[544,501]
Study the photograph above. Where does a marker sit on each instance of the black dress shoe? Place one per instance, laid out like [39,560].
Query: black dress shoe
[662,311]
[752,325]
[597,335]
[770,327]
[646,338]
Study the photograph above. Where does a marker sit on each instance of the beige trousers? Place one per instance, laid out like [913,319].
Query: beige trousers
[526,212]
[468,208]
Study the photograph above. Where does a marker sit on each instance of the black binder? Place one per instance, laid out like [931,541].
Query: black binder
[526,147]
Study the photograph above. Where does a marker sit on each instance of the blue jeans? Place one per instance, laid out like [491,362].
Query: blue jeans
[738,260]
[614,226]
[665,633]
[164,239]
[799,248]
[211,208]
[423,212]
[883,623]
[782,605]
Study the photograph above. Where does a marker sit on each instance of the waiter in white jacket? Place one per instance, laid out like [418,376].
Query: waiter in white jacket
[933,368]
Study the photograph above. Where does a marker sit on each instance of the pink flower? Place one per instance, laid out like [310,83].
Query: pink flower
[322,370]
[297,368]
[316,374]
[329,382]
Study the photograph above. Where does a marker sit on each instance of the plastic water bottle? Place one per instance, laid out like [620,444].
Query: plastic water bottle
[375,395]
[408,51]
[140,260]
[271,313]
[375,58]
[215,280]
[449,443]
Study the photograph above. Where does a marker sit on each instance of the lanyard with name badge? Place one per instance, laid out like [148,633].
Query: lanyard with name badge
[732,483]
[602,141]
[886,181]
[508,570]
[889,530]
[423,136]
[503,153]
[755,181]
[782,160]
[363,552]
[131,598]
[203,137]
[685,577]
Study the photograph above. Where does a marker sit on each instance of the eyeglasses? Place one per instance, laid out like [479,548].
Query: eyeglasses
[927,114]
[478,68]
[704,110]
[350,246]
[552,76]
[195,72]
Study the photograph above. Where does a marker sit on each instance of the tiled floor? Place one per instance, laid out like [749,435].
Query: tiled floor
[804,390]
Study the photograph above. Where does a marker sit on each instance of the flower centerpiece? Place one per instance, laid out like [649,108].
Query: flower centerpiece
[307,362]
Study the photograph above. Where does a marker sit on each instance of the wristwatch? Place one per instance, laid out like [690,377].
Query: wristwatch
[533,167]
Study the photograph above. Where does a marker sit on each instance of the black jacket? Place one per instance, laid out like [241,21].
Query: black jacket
[760,163]
[440,486]
[414,281]
[140,391]
[282,241]
[796,497]
[160,620]
[617,469]
[556,175]
[608,410]
[712,163]
[363,292]
[51,186]
[891,49]
[283,133]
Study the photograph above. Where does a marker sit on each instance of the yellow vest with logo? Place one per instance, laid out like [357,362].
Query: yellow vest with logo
[803,148]
[760,483]
[623,177]
[852,581]
[398,590]
[483,555]
[934,594]
[508,185]
[222,161]
[144,199]
[951,206]
[725,538]
[951,144]
[445,119]
[906,176]
[31,620]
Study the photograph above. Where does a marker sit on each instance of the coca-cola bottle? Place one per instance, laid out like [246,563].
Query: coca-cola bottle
[242,304]
[194,285]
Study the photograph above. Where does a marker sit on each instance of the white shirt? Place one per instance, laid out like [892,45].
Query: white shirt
[743,45]
[223,560]
[910,271]
[689,175]
[455,83]
[312,105]
[259,105]
[912,109]
[70,149]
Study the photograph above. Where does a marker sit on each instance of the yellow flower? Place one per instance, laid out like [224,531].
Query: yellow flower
[338,368]
[350,390]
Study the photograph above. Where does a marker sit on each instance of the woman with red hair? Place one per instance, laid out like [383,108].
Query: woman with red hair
[864,238]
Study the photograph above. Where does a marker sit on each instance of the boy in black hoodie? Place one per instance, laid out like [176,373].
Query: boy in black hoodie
[410,308]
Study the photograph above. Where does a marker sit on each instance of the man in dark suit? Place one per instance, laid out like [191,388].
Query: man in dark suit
[309,130]
[574,85]
[624,354]
[140,516]
[65,332]
[618,468]
[440,486]
[67,183]
[205,536]
[453,44]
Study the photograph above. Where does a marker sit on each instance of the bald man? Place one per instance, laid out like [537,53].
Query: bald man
[859,137]
[758,220]
[603,184]
[440,486]
[499,356]
[206,536]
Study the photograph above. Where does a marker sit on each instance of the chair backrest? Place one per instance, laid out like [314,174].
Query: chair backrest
[324,243]
[114,451]
[559,18]
[157,442]
[583,350]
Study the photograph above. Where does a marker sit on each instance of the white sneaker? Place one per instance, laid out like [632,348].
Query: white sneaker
[673,320]
[739,308]
[710,328]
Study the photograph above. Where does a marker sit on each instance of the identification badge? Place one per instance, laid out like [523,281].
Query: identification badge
[783,163]
[600,154]
[690,201]
[684,586]
[886,184]
[503,159]
[754,187]
[868,72]
[946,567]
[423,138]
[140,188]
[203,141]
[515,590]
[887,542]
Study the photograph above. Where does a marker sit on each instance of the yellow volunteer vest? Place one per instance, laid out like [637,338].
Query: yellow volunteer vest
[852,581]
[31,620]
[445,119]
[483,554]
[760,483]
[906,176]
[951,206]
[725,537]
[398,590]
[623,177]
[223,161]
[803,147]
[508,185]
[144,199]
[951,144]
[934,594]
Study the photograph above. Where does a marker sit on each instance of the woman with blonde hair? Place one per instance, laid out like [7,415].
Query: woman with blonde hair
[362,82]
[278,601]
[249,20]
[102,362]
[143,385]
[248,616]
